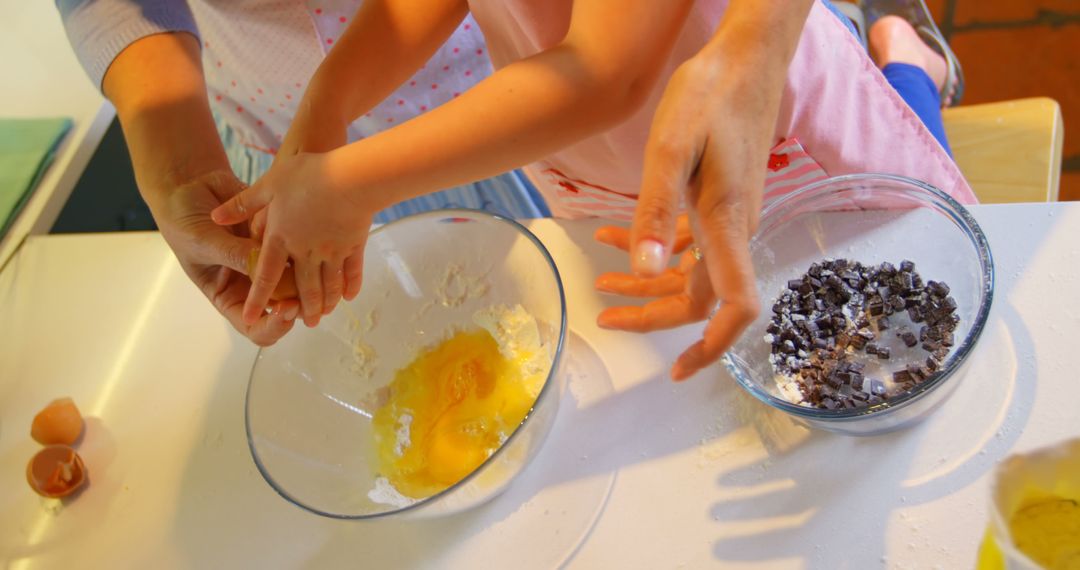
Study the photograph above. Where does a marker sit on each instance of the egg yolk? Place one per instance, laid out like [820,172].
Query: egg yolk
[1048,531]
[447,412]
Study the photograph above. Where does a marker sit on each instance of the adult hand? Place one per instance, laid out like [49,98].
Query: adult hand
[708,144]
[215,257]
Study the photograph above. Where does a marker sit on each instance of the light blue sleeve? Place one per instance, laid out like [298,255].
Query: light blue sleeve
[100,29]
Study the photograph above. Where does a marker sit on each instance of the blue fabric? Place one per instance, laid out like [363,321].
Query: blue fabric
[843,18]
[919,92]
[510,194]
[914,86]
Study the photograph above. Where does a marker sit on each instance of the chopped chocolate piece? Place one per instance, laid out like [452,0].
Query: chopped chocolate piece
[931,345]
[877,387]
[907,282]
[828,403]
[907,266]
[924,331]
[794,284]
[871,348]
[875,400]
[915,371]
[856,366]
[949,303]
[787,346]
[815,269]
[773,328]
[931,364]
[947,339]
[862,322]
[938,288]
[884,353]
[909,339]
[883,324]
[916,314]
[941,354]
[876,309]
[887,268]
[860,396]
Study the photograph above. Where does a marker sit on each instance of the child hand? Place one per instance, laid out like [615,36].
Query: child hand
[309,221]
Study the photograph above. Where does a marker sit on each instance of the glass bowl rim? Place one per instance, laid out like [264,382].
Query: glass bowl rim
[966,222]
[438,215]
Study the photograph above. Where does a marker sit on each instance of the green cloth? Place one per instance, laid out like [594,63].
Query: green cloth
[27,146]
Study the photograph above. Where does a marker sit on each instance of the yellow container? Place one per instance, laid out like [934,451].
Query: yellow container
[1035,515]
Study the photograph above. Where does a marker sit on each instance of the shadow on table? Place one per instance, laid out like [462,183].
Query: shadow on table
[548,511]
[837,493]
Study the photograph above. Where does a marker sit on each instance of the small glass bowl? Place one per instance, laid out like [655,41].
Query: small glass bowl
[871,218]
[312,395]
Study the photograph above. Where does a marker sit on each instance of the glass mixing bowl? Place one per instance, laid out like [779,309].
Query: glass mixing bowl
[311,396]
[871,218]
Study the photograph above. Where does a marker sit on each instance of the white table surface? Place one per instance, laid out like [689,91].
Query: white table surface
[42,78]
[638,472]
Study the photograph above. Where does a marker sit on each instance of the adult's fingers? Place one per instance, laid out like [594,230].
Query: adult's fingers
[723,330]
[619,237]
[671,158]
[690,306]
[722,219]
[219,246]
[268,271]
[242,206]
[670,282]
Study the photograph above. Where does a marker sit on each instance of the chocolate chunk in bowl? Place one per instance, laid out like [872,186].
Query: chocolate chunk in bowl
[908,234]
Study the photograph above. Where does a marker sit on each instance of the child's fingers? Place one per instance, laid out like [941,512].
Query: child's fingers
[309,283]
[258,224]
[242,206]
[670,282]
[333,282]
[354,274]
[268,271]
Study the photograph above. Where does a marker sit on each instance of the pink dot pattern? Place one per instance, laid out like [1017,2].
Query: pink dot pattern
[256,75]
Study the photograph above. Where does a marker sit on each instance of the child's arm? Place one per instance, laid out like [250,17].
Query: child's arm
[598,76]
[386,43]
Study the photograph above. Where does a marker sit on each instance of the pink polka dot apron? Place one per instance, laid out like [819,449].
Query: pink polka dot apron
[838,115]
[258,56]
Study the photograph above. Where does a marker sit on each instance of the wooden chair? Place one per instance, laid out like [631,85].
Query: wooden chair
[1008,151]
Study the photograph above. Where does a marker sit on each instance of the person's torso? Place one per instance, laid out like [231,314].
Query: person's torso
[838,115]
